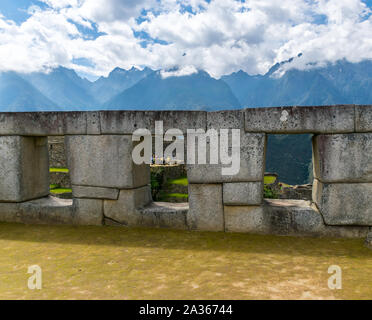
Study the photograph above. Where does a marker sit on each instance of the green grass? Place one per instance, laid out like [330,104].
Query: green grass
[121,263]
[176,195]
[269,179]
[180,181]
[58,170]
[60,190]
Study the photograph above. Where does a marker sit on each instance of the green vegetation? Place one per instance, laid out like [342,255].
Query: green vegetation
[167,196]
[58,170]
[60,190]
[121,263]
[269,179]
[181,181]
[270,193]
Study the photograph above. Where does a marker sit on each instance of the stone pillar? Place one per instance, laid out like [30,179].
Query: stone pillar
[105,178]
[24,168]
[211,193]
[343,178]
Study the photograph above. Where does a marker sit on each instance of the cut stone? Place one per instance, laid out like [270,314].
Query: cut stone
[95,192]
[249,219]
[363,118]
[343,157]
[125,210]
[126,122]
[231,119]
[252,163]
[165,215]
[286,217]
[88,212]
[24,168]
[206,207]
[325,119]
[48,210]
[242,193]
[344,203]
[104,161]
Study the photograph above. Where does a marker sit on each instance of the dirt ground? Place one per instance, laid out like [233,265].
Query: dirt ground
[120,263]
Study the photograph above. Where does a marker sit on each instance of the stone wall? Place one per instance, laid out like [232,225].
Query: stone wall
[108,188]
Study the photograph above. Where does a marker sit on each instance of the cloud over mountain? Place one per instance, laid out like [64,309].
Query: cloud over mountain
[218,36]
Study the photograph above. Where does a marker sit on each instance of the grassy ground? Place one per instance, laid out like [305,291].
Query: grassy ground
[117,263]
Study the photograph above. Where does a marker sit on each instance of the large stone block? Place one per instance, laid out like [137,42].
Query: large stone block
[47,210]
[325,119]
[24,168]
[363,118]
[230,119]
[126,210]
[249,219]
[165,215]
[88,212]
[343,157]
[344,203]
[95,192]
[126,122]
[368,241]
[242,193]
[104,161]
[206,207]
[252,163]
[286,217]
[43,123]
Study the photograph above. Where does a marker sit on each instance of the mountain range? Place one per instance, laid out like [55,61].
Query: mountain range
[62,89]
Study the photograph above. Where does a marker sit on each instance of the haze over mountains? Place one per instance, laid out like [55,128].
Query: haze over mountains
[62,89]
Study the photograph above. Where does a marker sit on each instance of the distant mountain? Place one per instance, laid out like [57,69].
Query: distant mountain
[64,87]
[16,94]
[117,81]
[198,91]
[339,83]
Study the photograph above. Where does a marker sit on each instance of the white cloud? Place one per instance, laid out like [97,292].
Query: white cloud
[220,37]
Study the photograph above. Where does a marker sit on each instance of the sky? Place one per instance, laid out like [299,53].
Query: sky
[218,36]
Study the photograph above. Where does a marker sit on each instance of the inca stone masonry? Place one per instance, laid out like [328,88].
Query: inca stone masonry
[109,189]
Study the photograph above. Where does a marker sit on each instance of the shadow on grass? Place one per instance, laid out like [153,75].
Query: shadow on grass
[185,240]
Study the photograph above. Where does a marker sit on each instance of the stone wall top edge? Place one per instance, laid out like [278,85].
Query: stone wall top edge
[126,121]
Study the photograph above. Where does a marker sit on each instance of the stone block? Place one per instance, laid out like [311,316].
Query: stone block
[93,122]
[88,212]
[125,210]
[206,207]
[286,217]
[104,161]
[363,118]
[126,122]
[242,193]
[230,119]
[95,192]
[250,219]
[252,163]
[165,215]
[368,241]
[43,123]
[24,168]
[325,119]
[343,157]
[47,210]
[344,203]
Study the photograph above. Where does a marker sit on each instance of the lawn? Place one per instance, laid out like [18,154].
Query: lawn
[120,263]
